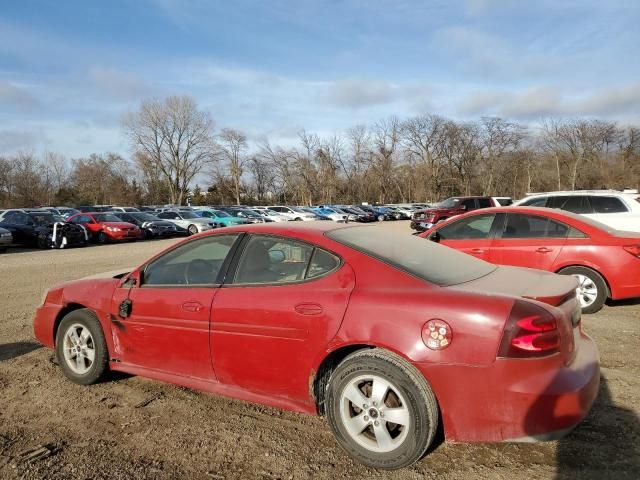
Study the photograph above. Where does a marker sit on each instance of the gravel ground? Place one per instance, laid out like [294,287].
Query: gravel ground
[51,428]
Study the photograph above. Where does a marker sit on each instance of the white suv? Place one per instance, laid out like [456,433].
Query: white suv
[617,209]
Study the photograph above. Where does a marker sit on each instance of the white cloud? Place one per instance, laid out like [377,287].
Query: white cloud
[16,96]
[359,93]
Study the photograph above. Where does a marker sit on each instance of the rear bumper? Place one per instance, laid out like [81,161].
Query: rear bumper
[516,400]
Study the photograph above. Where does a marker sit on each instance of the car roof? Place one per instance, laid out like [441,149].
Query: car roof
[583,192]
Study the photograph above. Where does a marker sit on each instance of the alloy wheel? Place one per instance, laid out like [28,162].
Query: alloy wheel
[78,349]
[374,413]
[587,290]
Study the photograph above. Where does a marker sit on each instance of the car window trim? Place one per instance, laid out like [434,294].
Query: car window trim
[241,248]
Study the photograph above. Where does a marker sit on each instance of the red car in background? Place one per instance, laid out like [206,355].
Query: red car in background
[388,335]
[606,262]
[106,227]
[425,219]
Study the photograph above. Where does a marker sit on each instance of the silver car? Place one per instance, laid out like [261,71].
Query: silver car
[187,220]
[6,238]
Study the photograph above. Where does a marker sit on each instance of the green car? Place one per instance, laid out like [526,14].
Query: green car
[221,218]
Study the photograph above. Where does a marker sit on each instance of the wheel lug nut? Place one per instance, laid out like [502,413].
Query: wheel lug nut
[376,423]
[381,414]
[365,406]
[375,404]
[366,418]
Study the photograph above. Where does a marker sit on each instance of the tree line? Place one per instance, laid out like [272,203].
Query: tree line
[177,152]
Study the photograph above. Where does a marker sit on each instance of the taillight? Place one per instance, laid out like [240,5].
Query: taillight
[633,250]
[531,331]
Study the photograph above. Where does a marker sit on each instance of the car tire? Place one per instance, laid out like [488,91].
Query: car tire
[83,357]
[373,440]
[102,237]
[380,218]
[192,230]
[592,292]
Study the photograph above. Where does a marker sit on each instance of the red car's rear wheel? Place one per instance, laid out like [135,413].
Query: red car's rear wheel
[381,409]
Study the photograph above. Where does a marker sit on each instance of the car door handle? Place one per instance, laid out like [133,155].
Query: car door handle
[308,308]
[543,250]
[477,250]
[191,306]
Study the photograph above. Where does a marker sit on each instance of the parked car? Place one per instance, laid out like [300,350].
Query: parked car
[42,229]
[220,218]
[276,217]
[380,213]
[293,213]
[66,212]
[124,209]
[357,215]
[425,219]
[6,239]
[94,208]
[331,214]
[106,227]
[187,220]
[606,262]
[427,337]
[249,216]
[618,209]
[151,226]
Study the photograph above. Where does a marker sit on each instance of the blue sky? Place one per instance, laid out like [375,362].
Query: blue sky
[69,70]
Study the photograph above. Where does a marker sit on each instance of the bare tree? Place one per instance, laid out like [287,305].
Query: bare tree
[233,145]
[175,137]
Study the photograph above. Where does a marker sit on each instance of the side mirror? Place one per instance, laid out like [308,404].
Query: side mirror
[134,279]
[277,256]
[435,237]
[463,207]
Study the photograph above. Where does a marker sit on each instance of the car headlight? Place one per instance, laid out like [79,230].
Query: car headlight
[113,229]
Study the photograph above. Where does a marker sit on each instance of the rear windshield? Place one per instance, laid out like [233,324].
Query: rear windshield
[418,256]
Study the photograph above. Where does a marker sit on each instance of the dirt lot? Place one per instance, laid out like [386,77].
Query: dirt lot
[97,432]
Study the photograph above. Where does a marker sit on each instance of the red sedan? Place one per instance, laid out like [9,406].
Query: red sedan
[606,262]
[387,335]
[106,227]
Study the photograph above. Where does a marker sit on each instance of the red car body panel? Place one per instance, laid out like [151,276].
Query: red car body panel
[265,344]
[601,250]
[126,231]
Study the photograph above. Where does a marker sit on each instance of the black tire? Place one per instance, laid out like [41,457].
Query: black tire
[87,319]
[598,281]
[102,237]
[420,402]
[41,242]
[192,230]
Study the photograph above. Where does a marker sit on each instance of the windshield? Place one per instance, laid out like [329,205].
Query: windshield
[247,213]
[188,215]
[221,214]
[43,218]
[106,217]
[449,203]
[427,260]
[297,209]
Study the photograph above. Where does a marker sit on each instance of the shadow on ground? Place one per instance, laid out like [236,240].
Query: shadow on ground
[17,349]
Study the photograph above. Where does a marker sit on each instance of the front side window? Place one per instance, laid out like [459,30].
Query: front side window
[532,226]
[274,260]
[535,202]
[198,262]
[469,203]
[476,227]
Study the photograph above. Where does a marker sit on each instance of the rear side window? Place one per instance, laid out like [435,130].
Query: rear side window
[535,202]
[607,205]
[532,226]
[470,203]
[484,203]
